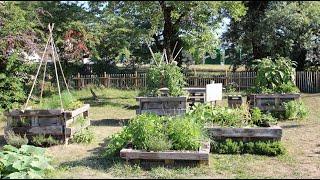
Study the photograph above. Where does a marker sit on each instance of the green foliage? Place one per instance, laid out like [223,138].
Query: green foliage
[295,110]
[69,102]
[230,117]
[276,76]
[154,133]
[222,116]
[43,140]
[27,162]
[185,133]
[260,119]
[167,75]
[15,139]
[229,146]
[84,136]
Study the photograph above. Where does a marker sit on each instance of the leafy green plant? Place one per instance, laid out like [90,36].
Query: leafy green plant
[84,136]
[15,139]
[27,162]
[295,110]
[260,119]
[155,133]
[168,75]
[222,116]
[275,76]
[269,148]
[185,133]
[44,141]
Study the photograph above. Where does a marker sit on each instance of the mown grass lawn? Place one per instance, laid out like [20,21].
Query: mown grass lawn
[115,107]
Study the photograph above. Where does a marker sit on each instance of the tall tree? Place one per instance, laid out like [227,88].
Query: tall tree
[163,23]
[276,29]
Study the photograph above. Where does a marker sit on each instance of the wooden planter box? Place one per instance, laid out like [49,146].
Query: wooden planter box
[162,105]
[273,133]
[196,94]
[57,122]
[202,155]
[234,101]
[271,102]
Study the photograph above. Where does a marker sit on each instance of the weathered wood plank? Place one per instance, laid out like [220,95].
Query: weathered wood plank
[35,112]
[202,154]
[274,132]
[70,114]
[162,99]
[162,111]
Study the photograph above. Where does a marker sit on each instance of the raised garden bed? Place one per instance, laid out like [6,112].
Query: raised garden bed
[57,122]
[273,133]
[202,155]
[271,102]
[234,101]
[162,105]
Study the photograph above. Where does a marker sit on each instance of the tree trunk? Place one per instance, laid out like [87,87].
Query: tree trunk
[168,28]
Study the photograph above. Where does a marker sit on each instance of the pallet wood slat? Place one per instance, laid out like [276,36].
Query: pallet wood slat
[202,155]
[52,123]
[265,133]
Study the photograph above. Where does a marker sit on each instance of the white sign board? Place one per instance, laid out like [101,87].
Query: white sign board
[213,92]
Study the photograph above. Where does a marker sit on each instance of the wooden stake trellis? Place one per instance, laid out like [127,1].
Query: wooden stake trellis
[54,55]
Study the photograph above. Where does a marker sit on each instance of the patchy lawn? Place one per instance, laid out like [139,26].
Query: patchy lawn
[115,107]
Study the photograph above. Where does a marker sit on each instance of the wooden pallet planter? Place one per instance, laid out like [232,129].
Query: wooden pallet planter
[58,123]
[271,102]
[201,156]
[234,101]
[162,105]
[196,94]
[273,133]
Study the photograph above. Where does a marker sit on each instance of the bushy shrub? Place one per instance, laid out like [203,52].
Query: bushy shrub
[15,139]
[295,110]
[84,136]
[269,148]
[28,162]
[44,141]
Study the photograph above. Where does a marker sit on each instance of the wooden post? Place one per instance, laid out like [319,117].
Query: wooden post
[104,79]
[79,81]
[136,79]
[226,78]
[109,81]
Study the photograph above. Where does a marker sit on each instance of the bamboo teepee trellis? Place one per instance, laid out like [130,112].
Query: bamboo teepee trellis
[55,59]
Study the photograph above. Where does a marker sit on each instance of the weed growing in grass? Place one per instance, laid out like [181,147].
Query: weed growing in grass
[84,136]
[295,110]
[15,139]
[44,141]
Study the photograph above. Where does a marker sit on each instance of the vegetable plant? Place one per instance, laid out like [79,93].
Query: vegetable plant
[27,162]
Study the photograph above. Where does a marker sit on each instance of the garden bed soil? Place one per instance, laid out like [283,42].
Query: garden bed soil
[58,123]
[273,133]
[162,105]
[201,156]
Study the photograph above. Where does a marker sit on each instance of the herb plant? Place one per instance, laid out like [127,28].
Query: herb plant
[15,139]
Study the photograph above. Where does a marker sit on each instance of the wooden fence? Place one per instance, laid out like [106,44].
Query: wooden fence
[306,81]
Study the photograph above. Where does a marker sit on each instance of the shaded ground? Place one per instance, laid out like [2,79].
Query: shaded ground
[301,139]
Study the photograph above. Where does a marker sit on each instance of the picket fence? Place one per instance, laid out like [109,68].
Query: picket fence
[306,81]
